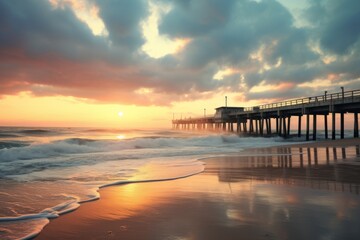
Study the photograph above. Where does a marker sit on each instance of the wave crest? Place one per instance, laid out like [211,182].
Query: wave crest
[85,145]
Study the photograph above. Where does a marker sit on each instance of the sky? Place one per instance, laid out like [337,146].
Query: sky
[80,63]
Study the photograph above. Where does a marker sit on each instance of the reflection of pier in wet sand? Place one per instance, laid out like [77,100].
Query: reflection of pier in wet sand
[324,168]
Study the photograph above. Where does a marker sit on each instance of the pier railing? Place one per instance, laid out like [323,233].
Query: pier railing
[308,100]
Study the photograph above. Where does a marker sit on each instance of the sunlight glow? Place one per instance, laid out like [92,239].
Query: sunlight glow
[157,45]
[224,72]
[143,91]
[263,87]
[121,137]
[87,12]
[120,114]
[26,109]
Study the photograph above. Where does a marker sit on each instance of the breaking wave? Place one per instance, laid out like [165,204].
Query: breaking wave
[84,145]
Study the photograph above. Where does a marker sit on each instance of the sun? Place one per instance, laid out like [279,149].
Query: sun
[120,114]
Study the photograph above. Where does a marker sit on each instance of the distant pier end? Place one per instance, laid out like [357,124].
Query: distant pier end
[258,119]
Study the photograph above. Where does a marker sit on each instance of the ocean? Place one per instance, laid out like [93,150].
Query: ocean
[46,172]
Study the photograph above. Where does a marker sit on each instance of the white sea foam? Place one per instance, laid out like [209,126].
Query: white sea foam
[22,229]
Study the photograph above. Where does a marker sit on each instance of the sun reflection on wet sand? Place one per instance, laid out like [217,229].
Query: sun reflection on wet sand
[277,193]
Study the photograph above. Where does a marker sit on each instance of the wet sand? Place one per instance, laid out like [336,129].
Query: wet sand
[302,191]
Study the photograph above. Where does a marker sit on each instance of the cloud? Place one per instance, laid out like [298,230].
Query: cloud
[36,29]
[122,20]
[49,50]
[336,22]
[195,18]
[249,26]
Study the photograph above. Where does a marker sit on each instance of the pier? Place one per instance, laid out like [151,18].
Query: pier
[275,118]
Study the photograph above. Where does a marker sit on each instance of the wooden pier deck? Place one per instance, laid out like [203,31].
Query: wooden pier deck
[258,120]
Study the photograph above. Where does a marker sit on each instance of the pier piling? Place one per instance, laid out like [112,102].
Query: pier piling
[307,126]
[325,126]
[314,127]
[356,125]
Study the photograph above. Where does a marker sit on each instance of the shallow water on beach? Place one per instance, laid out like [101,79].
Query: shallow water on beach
[45,172]
[277,193]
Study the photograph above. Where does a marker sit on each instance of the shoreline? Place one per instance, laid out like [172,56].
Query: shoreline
[331,143]
[134,211]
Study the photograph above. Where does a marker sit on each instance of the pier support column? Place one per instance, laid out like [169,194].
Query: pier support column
[356,125]
[299,126]
[261,126]
[314,127]
[269,126]
[284,127]
[307,126]
[277,125]
[288,126]
[251,126]
[333,130]
[326,126]
[342,125]
[257,123]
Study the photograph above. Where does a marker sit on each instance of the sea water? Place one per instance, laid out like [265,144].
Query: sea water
[46,172]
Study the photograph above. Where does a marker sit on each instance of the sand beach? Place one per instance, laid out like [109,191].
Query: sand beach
[302,191]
